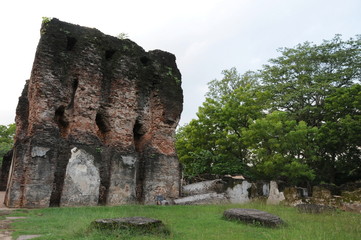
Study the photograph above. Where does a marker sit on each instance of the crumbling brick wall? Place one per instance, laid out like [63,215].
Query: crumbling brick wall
[95,122]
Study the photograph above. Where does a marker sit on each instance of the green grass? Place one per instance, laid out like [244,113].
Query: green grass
[187,222]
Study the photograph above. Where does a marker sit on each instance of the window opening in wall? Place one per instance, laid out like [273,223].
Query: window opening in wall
[109,54]
[60,117]
[71,41]
[144,60]
[102,123]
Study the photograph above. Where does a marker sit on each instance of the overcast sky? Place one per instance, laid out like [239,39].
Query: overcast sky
[206,36]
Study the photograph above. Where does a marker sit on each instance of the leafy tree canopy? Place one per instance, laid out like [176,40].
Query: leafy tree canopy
[6,139]
[297,119]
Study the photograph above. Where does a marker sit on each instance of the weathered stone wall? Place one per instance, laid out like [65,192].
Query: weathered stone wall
[241,191]
[348,196]
[95,122]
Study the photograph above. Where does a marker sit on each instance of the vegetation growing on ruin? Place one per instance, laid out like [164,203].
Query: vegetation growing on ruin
[298,119]
[6,139]
[122,36]
[187,222]
[46,20]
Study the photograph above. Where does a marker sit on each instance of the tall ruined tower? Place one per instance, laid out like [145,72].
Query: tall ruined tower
[95,122]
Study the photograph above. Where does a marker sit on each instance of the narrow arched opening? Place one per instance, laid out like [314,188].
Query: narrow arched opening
[71,41]
[102,123]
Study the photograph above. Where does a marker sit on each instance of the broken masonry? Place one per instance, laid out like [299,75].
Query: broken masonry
[95,123]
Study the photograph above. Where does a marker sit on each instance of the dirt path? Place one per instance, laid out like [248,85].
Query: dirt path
[5,224]
[2,197]
[5,230]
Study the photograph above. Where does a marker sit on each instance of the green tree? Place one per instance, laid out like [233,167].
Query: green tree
[6,139]
[281,148]
[213,143]
[339,137]
[319,84]
[303,77]
[232,80]
[296,119]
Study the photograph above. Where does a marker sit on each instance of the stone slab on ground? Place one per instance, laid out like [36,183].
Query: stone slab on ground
[201,187]
[208,198]
[140,224]
[253,216]
[315,208]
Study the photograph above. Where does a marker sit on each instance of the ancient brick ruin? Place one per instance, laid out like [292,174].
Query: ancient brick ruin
[95,123]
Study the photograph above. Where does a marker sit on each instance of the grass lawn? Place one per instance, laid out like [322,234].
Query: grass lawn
[187,222]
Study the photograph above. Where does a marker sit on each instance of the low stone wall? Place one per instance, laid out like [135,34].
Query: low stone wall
[242,191]
[347,200]
[203,187]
